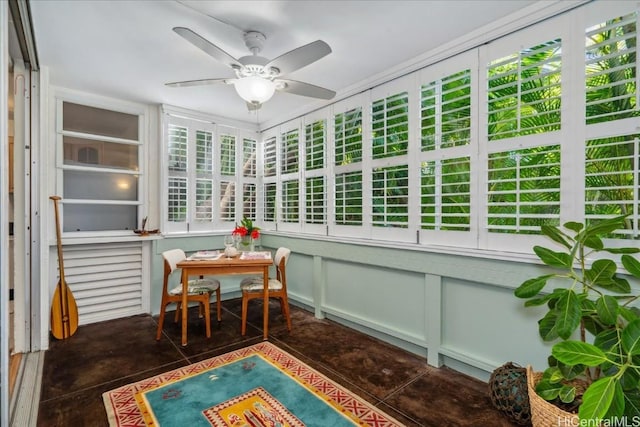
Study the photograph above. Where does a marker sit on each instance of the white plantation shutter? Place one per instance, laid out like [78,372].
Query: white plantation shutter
[315,208]
[523,190]
[249,157]
[249,198]
[290,203]
[315,142]
[269,202]
[269,157]
[612,179]
[390,201]
[227,155]
[446,194]
[177,199]
[315,192]
[177,150]
[524,92]
[390,126]
[611,70]
[289,160]
[348,137]
[348,204]
[204,153]
[227,207]
[446,112]
[445,167]
[204,200]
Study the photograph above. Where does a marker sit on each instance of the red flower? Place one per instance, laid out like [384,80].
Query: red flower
[255,233]
[240,231]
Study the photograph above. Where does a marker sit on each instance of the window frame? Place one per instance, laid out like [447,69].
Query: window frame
[61,96]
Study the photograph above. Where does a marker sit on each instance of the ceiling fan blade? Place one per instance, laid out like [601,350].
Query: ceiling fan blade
[300,57]
[201,82]
[304,89]
[207,46]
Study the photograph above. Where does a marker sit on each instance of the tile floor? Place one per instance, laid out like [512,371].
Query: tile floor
[102,356]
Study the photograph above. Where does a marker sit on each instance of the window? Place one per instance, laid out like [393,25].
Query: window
[289,152]
[349,199]
[524,190]
[269,157]
[445,167]
[269,202]
[315,200]
[290,208]
[612,179]
[524,92]
[446,194]
[348,137]
[390,126]
[315,182]
[390,197]
[611,70]
[101,150]
[203,179]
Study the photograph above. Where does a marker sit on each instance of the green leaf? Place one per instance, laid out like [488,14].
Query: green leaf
[632,404]
[607,307]
[598,397]
[535,302]
[547,390]
[532,287]
[555,234]
[622,250]
[606,340]
[569,313]
[629,313]
[631,338]
[571,372]
[605,227]
[601,271]
[567,394]
[577,352]
[547,326]
[620,285]
[574,226]
[552,258]
[594,242]
[631,264]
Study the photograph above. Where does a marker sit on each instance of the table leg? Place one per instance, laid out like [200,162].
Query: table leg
[265,284]
[185,289]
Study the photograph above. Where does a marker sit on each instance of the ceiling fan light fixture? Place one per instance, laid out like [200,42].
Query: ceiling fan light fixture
[255,89]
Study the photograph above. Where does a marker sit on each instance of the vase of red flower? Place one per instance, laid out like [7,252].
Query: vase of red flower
[247,233]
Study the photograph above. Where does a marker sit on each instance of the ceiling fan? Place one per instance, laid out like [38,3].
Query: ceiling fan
[258,78]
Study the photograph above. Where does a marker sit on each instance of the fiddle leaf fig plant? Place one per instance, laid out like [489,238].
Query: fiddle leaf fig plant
[594,318]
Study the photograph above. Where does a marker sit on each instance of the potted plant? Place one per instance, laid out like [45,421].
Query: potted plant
[594,317]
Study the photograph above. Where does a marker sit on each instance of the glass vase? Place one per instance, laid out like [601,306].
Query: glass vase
[246,244]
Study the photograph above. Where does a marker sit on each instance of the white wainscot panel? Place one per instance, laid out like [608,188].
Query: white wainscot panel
[487,326]
[300,278]
[390,301]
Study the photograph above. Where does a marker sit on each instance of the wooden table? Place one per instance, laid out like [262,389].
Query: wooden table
[221,266]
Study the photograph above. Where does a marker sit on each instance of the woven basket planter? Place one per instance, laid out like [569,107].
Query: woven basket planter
[544,413]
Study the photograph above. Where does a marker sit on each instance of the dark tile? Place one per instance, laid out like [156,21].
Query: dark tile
[107,355]
[100,352]
[445,397]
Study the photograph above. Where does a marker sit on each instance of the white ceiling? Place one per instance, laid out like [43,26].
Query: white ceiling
[127,50]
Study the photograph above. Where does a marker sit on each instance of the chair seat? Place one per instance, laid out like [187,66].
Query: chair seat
[255,284]
[197,286]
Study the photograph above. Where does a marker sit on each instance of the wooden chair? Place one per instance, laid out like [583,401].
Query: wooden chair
[253,287]
[199,290]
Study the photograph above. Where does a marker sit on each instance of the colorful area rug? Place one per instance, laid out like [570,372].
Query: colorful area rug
[255,386]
